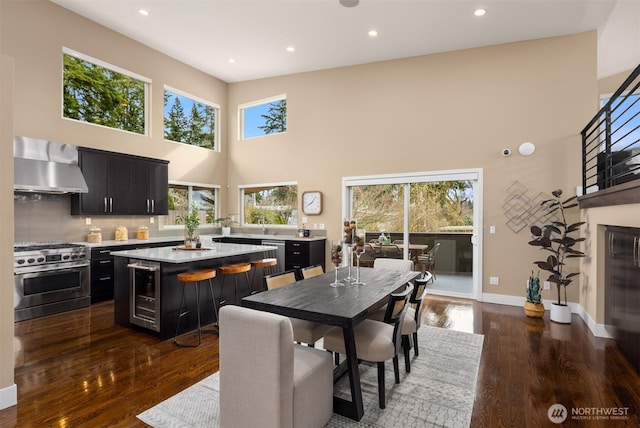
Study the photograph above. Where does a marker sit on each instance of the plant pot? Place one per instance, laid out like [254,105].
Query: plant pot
[560,313]
[226,231]
[534,310]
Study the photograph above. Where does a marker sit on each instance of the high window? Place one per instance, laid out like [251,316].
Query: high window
[190,120]
[102,94]
[271,204]
[184,195]
[263,117]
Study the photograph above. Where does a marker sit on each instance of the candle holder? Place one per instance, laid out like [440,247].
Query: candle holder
[336,259]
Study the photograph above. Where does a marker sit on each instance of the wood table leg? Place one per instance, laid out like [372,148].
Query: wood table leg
[355,408]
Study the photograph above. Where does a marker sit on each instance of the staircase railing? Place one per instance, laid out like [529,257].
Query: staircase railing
[611,140]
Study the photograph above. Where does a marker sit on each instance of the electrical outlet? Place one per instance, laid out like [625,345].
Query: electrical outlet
[492,230]
[494,280]
[321,226]
[151,220]
[87,221]
[546,285]
[304,220]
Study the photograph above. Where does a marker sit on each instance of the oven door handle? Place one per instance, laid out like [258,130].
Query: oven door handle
[52,269]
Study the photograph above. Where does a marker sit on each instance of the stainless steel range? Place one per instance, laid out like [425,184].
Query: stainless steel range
[49,277]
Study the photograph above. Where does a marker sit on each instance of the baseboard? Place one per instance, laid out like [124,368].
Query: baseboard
[8,396]
[598,330]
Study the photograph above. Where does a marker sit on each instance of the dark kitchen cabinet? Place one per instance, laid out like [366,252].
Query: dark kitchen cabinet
[107,177]
[101,275]
[102,267]
[121,184]
[149,187]
[622,289]
[300,254]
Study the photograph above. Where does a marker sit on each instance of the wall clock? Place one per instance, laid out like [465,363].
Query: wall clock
[312,202]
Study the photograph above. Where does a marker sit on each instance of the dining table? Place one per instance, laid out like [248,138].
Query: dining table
[313,299]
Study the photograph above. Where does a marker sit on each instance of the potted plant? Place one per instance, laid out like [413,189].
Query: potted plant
[225,223]
[557,239]
[533,307]
[191,221]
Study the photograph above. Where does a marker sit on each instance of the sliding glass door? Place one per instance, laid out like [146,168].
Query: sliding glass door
[422,212]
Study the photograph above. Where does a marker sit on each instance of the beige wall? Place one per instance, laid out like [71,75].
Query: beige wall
[7,387]
[38,58]
[448,111]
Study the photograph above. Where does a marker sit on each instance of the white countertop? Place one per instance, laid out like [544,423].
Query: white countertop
[206,239]
[210,251]
[113,243]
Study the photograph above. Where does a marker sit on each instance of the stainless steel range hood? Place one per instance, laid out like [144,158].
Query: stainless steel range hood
[46,167]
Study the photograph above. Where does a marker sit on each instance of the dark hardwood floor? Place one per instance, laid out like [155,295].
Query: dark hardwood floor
[78,369]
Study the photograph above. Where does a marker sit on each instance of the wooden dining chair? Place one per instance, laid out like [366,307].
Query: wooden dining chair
[277,280]
[377,341]
[311,271]
[303,331]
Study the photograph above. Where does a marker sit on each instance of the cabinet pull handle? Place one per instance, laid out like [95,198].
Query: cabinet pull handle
[636,251]
[147,205]
[105,251]
[106,278]
[105,204]
[611,244]
[110,205]
[104,261]
[153,205]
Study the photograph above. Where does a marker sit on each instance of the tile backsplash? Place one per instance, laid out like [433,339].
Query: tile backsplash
[46,217]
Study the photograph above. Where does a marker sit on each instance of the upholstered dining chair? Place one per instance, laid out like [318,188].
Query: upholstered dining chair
[303,331]
[377,341]
[311,271]
[265,379]
[394,264]
[412,319]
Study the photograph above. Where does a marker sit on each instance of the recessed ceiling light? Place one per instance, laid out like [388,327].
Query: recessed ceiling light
[231,60]
[479,12]
[290,48]
[143,12]
[373,33]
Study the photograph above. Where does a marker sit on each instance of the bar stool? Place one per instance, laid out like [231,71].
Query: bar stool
[266,267]
[195,277]
[234,269]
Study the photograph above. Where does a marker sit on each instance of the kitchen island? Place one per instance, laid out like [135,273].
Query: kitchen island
[147,293]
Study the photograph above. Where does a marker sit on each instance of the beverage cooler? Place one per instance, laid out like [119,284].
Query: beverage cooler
[144,294]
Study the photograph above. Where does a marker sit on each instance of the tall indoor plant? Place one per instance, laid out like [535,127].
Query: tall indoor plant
[557,238]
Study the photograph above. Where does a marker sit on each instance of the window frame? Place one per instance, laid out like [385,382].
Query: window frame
[263,101]
[216,133]
[294,212]
[190,185]
[95,61]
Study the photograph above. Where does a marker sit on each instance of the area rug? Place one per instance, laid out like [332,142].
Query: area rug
[439,391]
